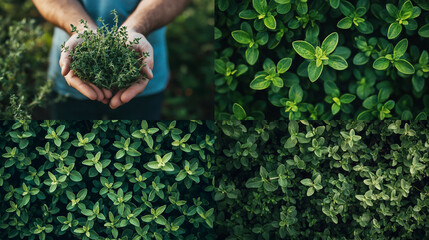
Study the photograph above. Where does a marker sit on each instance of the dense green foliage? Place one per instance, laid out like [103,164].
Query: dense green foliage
[190,93]
[322,180]
[105,57]
[339,59]
[23,84]
[106,180]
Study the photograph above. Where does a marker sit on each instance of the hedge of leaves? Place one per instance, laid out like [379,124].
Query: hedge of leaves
[322,180]
[106,180]
[23,84]
[327,59]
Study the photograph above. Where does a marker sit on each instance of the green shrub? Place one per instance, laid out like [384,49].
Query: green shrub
[345,60]
[23,84]
[105,57]
[322,180]
[106,180]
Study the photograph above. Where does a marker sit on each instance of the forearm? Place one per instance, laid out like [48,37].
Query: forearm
[62,13]
[153,14]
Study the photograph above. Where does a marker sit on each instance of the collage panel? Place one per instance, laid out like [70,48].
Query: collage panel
[106,180]
[321,60]
[89,60]
[322,179]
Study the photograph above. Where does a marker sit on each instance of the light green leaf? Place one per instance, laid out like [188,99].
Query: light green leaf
[314,72]
[337,62]
[304,49]
[404,66]
[239,111]
[330,43]
[381,63]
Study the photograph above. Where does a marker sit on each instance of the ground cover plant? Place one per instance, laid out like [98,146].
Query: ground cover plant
[106,180]
[322,180]
[330,59]
[105,57]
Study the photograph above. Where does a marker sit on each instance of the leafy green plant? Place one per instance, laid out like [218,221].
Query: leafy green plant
[23,84]
[71,185]
[359,46]
[321,179]
[105,57]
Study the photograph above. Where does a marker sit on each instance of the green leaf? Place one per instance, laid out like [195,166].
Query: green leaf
[304,49]
[347,98]
[270,22]
[254,182]
[394,30]
[404,66]
[260,84]
[337,62]
[75,176]
[381,63]
[260,6]
[345,23]
[252,55]
[314,72]
[424,31]
[238,111]
[310,191]
[98,167]
[284,65]
[241,37]
[270,187]
[406,10]
[135,222]
[330,43]
[400,48]
[296,93]
[335,108]
[307,182]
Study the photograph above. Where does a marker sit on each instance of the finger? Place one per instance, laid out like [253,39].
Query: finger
[65,59]
[107,93]
[116,100]
[100,94]
[134,90]
[82,87]
[105,101]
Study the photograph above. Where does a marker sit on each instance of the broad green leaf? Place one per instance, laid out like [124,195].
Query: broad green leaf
[254,182]
[75,176]
[347,98]
[296,93]
[260,6]
[394,30]
[337,62]
[424,31]
[260,84]
[270,22]
[241,37]
[345,23]
[330,43]
[381,63]
[307,182]
[238,111]
[404,66]
[314,72]
[252,55]
[400,48]
[304,49]
[284,65]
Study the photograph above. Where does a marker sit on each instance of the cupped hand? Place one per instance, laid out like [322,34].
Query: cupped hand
[125,95]
[88,89]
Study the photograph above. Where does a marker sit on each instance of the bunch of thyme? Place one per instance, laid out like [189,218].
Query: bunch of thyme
[105,57]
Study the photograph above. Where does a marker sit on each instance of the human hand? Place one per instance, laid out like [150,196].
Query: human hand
[88,89]
[125,95]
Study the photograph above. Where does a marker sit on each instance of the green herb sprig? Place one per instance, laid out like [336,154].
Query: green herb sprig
[105,57]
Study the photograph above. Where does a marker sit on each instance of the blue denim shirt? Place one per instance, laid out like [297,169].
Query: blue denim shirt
[103,8]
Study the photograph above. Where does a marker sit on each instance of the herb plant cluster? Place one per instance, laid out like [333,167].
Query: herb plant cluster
[328,59]
[106,180]
[23,84]
[322,180]
[105,57]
